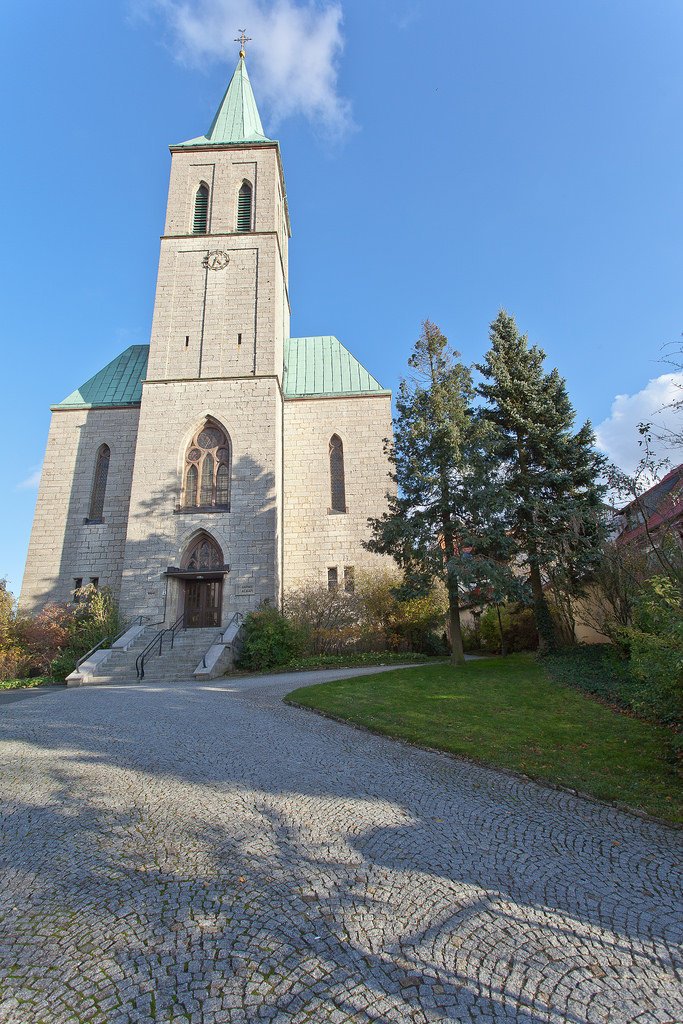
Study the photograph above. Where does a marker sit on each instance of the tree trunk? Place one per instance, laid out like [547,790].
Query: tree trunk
[544,621]
[457,650]
[503,648]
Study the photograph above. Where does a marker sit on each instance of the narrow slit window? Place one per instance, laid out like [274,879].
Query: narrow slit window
[191,486]
[349,579]
[337,482]
[99,486]
[201,210]
[78,583]
[332,578]
[207,481]
[244,207]
[222,485]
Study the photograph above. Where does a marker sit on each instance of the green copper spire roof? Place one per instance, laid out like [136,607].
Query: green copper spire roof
[237,119]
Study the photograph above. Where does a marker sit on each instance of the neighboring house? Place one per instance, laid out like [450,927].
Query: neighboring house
[204,472]
[654,515]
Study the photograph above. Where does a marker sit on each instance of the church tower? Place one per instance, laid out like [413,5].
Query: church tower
[211,411]
[225,462]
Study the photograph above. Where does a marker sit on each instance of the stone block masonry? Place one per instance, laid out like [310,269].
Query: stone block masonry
[315,537]
[64,546]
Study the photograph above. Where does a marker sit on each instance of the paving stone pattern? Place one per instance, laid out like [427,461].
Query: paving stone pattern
[208,854]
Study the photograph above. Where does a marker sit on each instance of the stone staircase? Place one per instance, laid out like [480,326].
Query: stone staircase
[174,664]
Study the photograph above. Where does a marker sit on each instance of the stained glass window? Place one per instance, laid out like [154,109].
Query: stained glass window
[207,468]
[206,496]
[222,485]
[337,484]
[203,555]
[191,486]
[99,487]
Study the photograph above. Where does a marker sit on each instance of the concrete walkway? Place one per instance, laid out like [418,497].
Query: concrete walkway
[208,854]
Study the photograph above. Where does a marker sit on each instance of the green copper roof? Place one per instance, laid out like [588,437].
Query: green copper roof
[119,383]
[237,119]
[322,366]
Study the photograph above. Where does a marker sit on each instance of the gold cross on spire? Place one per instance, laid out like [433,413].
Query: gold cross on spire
[242,39]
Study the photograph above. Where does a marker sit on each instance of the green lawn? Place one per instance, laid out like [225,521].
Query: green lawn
[506,712]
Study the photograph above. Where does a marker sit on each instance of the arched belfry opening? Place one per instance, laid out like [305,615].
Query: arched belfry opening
[200,575]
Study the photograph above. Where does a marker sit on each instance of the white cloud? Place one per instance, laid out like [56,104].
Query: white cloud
[293,56]
[31,482]
[618,435]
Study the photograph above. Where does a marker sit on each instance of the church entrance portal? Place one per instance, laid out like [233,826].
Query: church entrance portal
[202,581]
[203,600]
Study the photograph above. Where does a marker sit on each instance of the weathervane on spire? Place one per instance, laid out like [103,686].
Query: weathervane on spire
[242,39]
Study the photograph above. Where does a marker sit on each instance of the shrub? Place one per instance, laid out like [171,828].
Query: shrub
[654,645]
[330,621]
[41,637]
[518,629]
[269,640]
[94,618]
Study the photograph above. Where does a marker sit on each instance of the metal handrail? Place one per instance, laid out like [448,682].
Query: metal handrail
[157,638]
[105,640]
[236,618]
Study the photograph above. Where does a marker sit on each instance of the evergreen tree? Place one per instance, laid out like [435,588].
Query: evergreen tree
[549,473]
[435,433]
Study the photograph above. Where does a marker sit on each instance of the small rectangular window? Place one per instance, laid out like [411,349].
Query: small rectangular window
[332,578]
[239,339]
[95,581]
[349,579]
[78,583]
[187,340]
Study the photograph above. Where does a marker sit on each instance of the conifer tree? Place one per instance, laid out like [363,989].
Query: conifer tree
[434,432]
[553,501]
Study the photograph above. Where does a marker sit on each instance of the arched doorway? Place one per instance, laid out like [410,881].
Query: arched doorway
[202,570]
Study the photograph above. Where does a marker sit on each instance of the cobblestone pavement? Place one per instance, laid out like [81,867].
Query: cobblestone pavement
[208,854]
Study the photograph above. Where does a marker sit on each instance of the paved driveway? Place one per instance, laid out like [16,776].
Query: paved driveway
[207,854]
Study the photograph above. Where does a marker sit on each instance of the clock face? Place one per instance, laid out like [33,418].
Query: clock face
[216,260]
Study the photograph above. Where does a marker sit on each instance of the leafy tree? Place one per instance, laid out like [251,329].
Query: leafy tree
[553,502]
[435,436]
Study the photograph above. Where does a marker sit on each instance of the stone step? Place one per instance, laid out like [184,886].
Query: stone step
[174,663]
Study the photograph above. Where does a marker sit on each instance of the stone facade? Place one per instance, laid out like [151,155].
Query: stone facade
[217,353]
[64,546]
[317,538]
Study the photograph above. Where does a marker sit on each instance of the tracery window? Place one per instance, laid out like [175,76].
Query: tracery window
[244,207]
[99,485]
[206,482]
[337,483]
[204,554]
[201,210]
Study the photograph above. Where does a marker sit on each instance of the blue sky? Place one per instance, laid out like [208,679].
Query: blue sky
[443,158]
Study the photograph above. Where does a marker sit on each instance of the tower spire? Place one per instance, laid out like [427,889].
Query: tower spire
[237,118]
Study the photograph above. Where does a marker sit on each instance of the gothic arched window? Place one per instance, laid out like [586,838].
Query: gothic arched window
[206,475]
[99,484]
[337,484]
[201,210]
[203,554]
[244,207]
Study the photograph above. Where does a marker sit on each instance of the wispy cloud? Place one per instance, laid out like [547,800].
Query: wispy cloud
[293,57]
[618,435]
[31,482]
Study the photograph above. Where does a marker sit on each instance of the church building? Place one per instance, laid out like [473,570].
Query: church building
[225,462]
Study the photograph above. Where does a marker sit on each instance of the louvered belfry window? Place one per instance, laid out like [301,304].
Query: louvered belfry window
[206,482]
[337,484]
[201,210]
[99,486]
[244,207]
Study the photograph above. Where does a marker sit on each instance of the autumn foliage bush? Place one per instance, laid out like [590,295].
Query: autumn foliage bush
[50,642]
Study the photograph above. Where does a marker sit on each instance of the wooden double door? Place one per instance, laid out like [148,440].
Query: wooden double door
[203,602]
